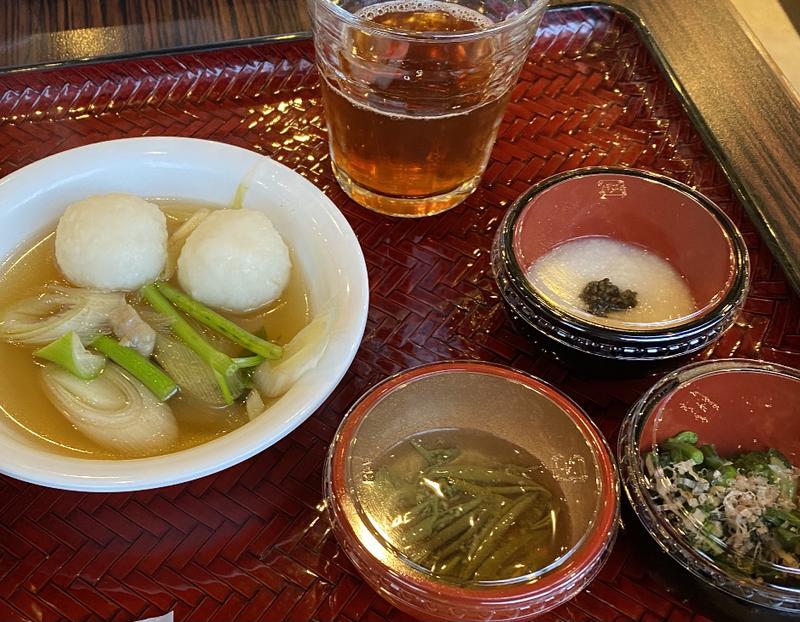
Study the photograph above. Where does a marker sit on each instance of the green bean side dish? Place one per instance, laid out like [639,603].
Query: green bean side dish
[468,522]
[742,511]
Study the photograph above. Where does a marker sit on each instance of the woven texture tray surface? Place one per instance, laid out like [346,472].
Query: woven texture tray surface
[251,542]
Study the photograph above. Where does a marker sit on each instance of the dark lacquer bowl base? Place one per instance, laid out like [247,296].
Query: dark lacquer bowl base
[651,212]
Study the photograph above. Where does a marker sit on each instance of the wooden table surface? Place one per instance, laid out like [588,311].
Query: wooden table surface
[744,111]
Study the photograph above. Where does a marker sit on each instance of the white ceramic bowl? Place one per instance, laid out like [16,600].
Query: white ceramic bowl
[326,250]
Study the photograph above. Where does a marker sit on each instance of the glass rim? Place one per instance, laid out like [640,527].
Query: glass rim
[528,15]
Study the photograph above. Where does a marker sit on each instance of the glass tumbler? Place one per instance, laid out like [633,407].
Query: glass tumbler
[414,91]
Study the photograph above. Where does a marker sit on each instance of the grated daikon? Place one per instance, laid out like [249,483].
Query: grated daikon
[663,295]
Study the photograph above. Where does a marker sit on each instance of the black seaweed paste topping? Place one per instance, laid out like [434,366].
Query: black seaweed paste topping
[603,296]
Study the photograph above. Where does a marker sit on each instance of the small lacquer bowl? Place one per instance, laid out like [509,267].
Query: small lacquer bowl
[655,216]
[738,405]
[484,398]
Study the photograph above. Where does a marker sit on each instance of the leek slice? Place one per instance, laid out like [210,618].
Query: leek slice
[114,410]
[192,373]
[254,405]
[177,240]
[68,352]
[225,369]
[300,355]
[57,311]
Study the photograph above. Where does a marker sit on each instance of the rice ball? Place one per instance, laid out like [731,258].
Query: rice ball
[112,242]
[235,260]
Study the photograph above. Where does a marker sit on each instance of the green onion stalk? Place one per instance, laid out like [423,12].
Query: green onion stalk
[150,375]
[219,323]
[225,368]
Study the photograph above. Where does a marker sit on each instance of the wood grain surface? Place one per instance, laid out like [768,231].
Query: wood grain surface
[743,111]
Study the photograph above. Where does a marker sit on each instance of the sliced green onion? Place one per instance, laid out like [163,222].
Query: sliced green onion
[68,352]
[219,323]
[245,362]
[687,436]
[194,376]
[225,368]
[150,375]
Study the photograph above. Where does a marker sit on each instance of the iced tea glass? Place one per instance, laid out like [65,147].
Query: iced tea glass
[414,91]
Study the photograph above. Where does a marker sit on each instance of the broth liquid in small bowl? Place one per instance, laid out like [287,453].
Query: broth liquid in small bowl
[467,506]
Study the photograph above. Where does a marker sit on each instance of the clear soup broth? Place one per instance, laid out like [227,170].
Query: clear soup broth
[467,506]
[23,399]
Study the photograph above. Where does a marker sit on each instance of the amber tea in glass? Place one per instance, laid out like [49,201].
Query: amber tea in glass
[414,91]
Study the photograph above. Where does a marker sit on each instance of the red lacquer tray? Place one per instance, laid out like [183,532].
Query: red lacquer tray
[250,543]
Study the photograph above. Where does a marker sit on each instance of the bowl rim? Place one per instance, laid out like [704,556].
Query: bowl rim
[583,561]
[727,304]
[666,535]
[38,466]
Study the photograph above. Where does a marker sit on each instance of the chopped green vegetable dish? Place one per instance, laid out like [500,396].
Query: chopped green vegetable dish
[742,511]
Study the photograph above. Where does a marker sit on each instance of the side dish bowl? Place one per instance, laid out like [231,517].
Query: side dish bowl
[739,406]
[325,249]
[663,220]
[478,398]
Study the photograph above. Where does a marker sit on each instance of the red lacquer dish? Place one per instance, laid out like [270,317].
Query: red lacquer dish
[636,218]
[509,405]
[736,406]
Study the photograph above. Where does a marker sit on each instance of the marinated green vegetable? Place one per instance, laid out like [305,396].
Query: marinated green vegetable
[743,510]
[603,296]
[468,519]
